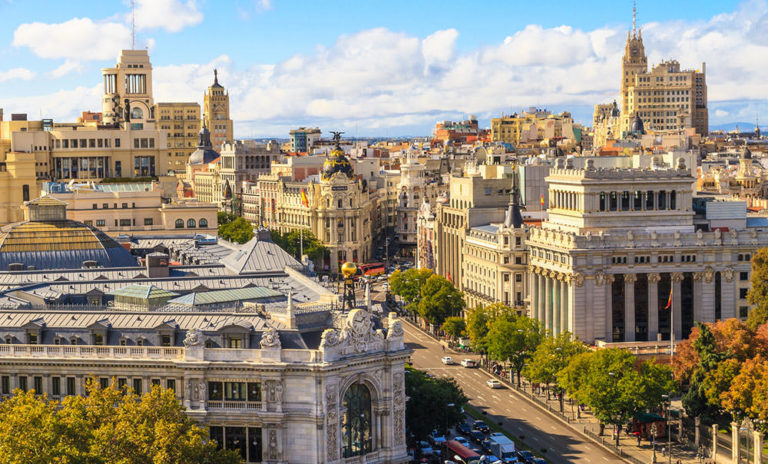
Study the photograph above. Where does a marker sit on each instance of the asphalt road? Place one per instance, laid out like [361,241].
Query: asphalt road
[536,428]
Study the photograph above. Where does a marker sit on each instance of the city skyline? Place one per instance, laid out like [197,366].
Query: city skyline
[370,71]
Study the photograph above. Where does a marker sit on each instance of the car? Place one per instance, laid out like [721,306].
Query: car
[477,436]
[447,360]
[426,449]
[437,439]
[468,363]
[464,428]
[526,456]
[493,383]
[481,426]
[462,441]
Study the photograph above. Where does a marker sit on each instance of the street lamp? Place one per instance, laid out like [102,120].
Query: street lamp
[666,403]
[654,430]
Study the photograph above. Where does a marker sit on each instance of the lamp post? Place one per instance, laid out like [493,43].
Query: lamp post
[654,430]
[666,400]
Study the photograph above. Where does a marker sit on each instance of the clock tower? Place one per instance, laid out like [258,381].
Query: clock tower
[634,62]
[216,113]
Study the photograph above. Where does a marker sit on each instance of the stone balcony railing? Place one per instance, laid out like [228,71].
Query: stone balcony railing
[253,405]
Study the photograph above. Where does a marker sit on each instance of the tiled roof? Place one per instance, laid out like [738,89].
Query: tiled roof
[226,296]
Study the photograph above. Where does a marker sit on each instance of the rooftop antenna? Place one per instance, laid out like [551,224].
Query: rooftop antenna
[133,25]
[634,17]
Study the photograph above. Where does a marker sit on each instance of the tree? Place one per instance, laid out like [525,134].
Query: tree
[407,285]
[433,404]
[224,218]
[747,395]
[572,377]
[514,340]
[439,299]
[454,326]
[238,231]
[108,426]
[758,294]
[478,324]
[551,356]
[291,242]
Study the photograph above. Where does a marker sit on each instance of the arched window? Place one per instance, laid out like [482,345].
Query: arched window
[356,423]
[203,223]
[179,223]
[191,223]
[136,113]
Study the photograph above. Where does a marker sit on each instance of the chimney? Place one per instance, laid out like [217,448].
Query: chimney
[157,265]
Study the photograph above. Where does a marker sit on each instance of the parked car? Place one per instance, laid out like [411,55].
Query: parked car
[481,426]
[477,436]
[462,441]
[464,428]
[426,448]
[468,363]
[447,360]
[493,383]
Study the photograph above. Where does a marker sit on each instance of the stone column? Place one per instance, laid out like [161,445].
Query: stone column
[534,281]
[653,306]
[564,326]
[548,302]
[697,289]
[608,308]
[556,303]
[735,455]
[629,307]
[758,446]
[677,309]
[586,320]
[707,299]
[727,294]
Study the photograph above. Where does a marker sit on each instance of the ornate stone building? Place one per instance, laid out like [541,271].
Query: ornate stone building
[619,242]
[216,113]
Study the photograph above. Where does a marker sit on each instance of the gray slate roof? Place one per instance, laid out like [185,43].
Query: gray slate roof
[259,256]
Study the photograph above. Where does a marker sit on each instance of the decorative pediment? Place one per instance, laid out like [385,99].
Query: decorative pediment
[102,324]
[357,336]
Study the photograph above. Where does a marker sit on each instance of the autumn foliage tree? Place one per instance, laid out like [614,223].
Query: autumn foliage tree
[758,294]
[110,425]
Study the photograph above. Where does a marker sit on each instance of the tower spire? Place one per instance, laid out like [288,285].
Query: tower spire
[133,25]
[634,17]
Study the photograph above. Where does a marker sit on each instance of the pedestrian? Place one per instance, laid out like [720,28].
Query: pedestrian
[639,438]
[443,347]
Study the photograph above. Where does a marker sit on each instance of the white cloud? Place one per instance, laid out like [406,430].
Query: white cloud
[67,67]
[721,113]
[76,39]
[62,106]
[17,73]
[264,5]
[171,15]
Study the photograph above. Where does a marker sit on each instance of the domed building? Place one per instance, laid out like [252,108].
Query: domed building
[48,240]
[337,163]
[205,153]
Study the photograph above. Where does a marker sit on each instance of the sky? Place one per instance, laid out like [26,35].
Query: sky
[384,68]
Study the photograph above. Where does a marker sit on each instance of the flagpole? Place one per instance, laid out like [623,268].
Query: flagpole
[672,327]
[301,244]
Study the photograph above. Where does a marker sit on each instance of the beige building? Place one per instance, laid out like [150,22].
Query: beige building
[619,242]
[135,208]
[531,126]
[606,124]
[243,161]
[181,123]
[340,209]
[666,98]
[216,113]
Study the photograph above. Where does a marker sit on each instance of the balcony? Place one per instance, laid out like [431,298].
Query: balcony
[91,352]
[255,405]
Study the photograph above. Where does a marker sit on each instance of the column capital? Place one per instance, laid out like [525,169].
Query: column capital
[728,274]
[630,278]
[654,277]
[677,277]
[698,276]
[577,278]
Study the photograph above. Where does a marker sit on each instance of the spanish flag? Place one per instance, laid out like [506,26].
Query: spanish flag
[669,301]
[541,197]
[304,199]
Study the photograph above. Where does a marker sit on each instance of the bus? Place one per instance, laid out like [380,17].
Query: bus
[373,269]
[453,448]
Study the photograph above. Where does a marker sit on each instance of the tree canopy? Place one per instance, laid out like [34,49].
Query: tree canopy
[433,404]
[291,242]
[238,231]
[407,285]
[552,356]
[109,425]
[514,339]
[439,300]
[454,326]
[758,294]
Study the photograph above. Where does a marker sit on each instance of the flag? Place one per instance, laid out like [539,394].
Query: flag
[541,197]
[304,199]
[669,301]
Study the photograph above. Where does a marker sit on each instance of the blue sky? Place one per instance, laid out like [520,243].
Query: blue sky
[377,68]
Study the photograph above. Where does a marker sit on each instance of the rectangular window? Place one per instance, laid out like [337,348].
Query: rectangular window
[23,383]
[518,277]
[743,311]
[124,205]
[122,383]
[254,392]
[55,386]
[104,206]
[5,385]
[137,386]
[743,293]
[70,386]
[170,384]
[38,384]
[147,221]
[155,382]
[95,206]
[217,435]
[100,223]
[117,143]
[215,391]
[743,275]
[234,391]
[165,340]
[135,143]
[125,222]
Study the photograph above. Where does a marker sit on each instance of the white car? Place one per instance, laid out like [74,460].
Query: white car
[493,383]
[468,363]
[447,360]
